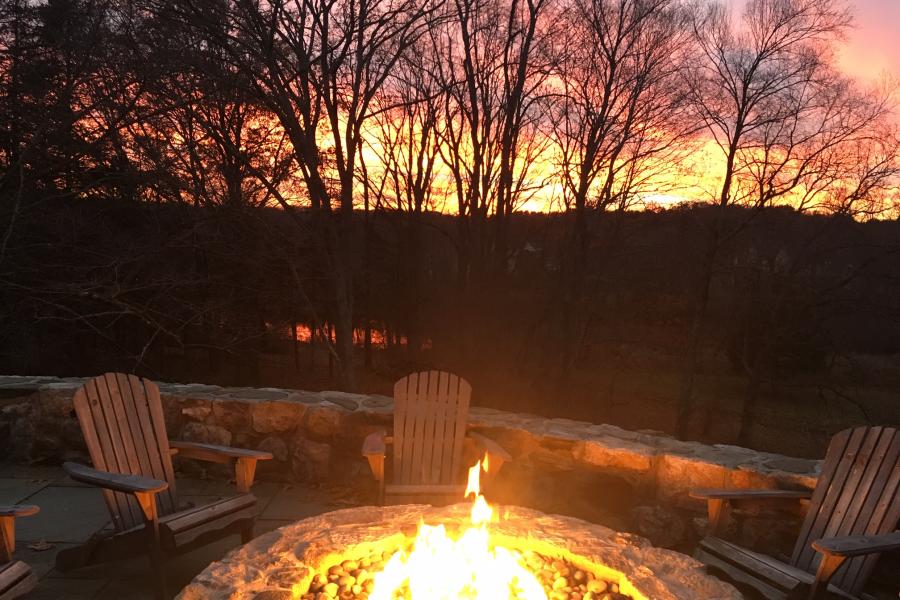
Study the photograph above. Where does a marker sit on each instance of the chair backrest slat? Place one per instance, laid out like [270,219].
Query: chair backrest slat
[430,415]
[145,394]
[855,495]
[451,407]
[403,439]
[440,453]
[103,453]
[880,514]
[122,421]
[459,415]
[418,413]
[425,468]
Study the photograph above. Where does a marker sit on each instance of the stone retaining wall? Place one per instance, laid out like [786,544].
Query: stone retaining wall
[635,480]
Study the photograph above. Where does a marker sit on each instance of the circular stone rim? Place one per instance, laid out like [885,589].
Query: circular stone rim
[281,563]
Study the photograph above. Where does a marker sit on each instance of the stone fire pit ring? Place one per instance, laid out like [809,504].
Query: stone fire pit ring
[280,564]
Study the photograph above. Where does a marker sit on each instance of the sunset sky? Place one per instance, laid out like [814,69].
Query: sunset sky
[872,47]
[870,53]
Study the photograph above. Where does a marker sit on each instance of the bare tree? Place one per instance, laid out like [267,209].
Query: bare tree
[206,140]
[318,65]
[848,173]
[621,105]
[748,83]
[405,173]
[619,124]
[495,66]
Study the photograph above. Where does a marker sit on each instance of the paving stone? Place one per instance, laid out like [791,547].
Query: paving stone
[67,481]
[16,491]
[295,504]
[133,568]
[41,562]
[134,580]
[68,514]
[130,579]
[267,525]
[218,487]
[69,589]
[42,473]
[129,590]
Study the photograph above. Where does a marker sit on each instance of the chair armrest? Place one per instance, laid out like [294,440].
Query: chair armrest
[117,482]
[19,510]
[858,545]
[245,460]
[374,448]
[375,444]
[143,488]
[215,453]
[490,446]
[495,455]
[737,494]
[836,550]
[8,516]
[718,501]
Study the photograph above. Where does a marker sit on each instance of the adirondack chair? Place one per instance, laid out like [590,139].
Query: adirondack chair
[852,517]
[121,417]
[16,578]
[431,410]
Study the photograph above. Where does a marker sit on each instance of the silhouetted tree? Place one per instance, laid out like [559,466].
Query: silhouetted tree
[619,127]
[749,81]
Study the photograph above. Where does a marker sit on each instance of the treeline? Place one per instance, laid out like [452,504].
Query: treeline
[196,174]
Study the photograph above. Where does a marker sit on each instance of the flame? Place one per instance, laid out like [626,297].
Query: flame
[473,485]
[442,568]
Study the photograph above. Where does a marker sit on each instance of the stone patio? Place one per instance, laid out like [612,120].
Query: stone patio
[71,513]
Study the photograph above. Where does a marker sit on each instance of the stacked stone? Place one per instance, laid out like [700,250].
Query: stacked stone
[354,580]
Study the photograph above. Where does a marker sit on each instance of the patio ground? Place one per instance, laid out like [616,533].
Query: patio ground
[72,512]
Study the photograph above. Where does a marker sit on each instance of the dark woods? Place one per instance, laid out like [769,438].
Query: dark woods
[312,193]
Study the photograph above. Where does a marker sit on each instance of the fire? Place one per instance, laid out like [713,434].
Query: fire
[442,568]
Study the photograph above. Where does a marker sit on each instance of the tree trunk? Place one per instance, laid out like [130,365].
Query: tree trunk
[340,242]
[294,346]
[748,410]
[692,354]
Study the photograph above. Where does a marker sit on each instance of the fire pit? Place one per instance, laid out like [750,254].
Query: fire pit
[282,564]
[464,551]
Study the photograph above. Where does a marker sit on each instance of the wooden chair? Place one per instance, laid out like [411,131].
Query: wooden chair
[852,517]
[431,411]
[121,417]
[16,578]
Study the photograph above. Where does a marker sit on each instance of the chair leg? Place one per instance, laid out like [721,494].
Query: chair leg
[157,562]
[159,573]
[827,567]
